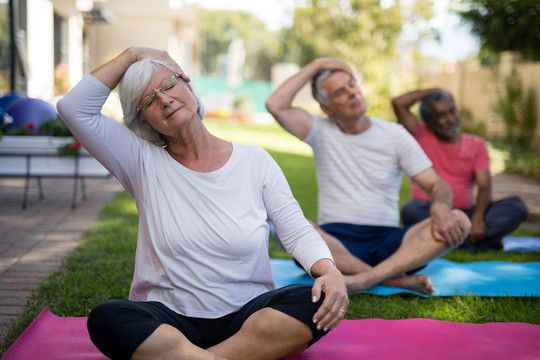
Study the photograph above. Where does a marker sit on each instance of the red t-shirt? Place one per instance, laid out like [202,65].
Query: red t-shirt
[455,163]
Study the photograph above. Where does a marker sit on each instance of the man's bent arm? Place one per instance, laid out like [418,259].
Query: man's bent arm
[402,107]
[483,199]
[296,120]
[445,225]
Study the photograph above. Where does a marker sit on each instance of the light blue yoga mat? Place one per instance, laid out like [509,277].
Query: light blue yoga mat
[521,243]
[485,278]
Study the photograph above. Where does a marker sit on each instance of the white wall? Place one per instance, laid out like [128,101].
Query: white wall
[40,49]
[75,49]
[147,23]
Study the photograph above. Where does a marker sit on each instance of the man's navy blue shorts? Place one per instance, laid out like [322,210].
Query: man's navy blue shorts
[372,244]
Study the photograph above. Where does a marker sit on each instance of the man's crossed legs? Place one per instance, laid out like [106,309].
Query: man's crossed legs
[392,264]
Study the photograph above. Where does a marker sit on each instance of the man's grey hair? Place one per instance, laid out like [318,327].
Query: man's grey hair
[317,91]
[130,92]
[425,104]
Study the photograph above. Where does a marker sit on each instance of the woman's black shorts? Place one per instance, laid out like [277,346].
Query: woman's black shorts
[118,327]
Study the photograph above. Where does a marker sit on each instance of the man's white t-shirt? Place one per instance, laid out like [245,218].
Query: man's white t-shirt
[359,176]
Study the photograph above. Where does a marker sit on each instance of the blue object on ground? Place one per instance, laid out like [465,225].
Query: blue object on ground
[521,243]
[485,278]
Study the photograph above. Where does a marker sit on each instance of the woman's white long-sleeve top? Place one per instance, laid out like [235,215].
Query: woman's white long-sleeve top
[202,246]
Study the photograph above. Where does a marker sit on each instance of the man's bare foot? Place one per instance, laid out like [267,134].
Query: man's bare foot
[418,282]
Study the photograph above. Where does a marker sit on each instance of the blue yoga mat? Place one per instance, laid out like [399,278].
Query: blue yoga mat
[485,278]
[521,243]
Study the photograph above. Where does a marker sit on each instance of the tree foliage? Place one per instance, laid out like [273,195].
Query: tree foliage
[342,29]
[360,32]
[219,27]
[517,110]
[505,25]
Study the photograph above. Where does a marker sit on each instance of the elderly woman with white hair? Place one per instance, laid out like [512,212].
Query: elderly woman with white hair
[203,286]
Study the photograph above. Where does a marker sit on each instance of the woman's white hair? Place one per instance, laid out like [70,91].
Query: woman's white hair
[130,91]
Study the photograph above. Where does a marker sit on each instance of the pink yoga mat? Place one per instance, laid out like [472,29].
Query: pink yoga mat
[417,339]
[51,337]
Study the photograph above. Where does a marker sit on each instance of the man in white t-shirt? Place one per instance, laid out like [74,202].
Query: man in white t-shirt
[360,160]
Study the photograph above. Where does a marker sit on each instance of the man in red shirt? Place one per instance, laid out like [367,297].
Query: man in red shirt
[462,161]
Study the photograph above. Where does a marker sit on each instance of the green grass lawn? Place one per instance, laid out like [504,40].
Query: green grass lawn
[102,266]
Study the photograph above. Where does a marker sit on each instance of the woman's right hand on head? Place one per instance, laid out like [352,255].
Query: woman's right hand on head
[112,71]
[141,52]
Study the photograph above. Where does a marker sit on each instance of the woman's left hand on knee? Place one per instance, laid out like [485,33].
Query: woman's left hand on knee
[335,303]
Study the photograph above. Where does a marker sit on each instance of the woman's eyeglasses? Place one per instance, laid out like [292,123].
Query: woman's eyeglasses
[148,100]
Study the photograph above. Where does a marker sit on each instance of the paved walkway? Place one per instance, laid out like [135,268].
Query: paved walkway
[529,189]
[34,241]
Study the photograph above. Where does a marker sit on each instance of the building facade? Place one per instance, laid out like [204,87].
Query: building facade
[46,46]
